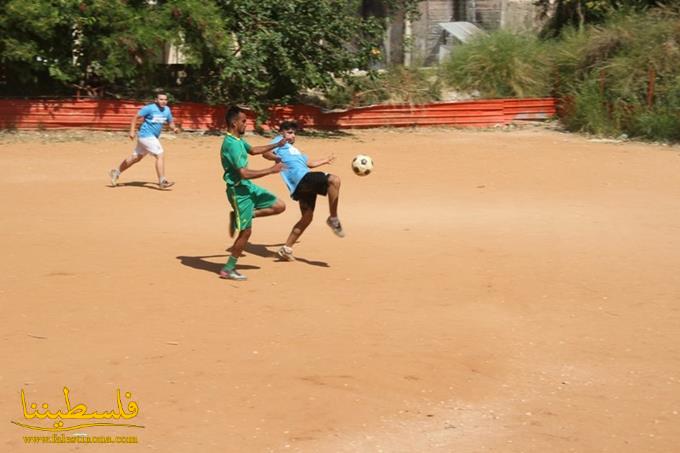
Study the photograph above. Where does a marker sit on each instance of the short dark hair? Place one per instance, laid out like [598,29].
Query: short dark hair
[232,114]
[158,92]
[288,124]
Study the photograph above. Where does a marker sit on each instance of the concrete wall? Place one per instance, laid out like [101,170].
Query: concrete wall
[427,35]
[519,15]
[487,14]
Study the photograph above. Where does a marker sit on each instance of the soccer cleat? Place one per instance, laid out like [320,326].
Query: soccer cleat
[114,175]
[232,274]
[335,226]
[165,184]
[286,253]
[232,224]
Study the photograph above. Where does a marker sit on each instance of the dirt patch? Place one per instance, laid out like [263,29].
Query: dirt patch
[511,291]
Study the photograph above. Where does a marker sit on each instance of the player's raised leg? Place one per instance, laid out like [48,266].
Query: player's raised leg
[276,208]
[265,203]
[333,197]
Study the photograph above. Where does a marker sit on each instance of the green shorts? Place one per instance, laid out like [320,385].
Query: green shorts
[245,199]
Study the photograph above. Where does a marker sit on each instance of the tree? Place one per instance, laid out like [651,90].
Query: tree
[280,48]
[49,46]
[252,51]
[577,13]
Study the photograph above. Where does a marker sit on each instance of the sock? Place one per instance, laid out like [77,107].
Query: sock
[231,264]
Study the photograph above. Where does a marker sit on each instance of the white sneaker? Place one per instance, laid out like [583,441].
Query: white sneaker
[165,184]
[114,175]
[286,253]
[232,274]
[335,226]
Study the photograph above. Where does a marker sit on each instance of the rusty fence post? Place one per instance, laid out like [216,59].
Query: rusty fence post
[651,80]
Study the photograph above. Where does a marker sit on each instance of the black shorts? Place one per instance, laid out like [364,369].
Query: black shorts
[312,184]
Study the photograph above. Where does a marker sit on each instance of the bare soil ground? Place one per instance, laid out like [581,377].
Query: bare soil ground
[496,292]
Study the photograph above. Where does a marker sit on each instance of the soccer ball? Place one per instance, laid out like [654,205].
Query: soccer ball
[362,164]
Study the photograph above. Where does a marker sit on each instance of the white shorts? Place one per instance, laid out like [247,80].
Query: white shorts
[148,145]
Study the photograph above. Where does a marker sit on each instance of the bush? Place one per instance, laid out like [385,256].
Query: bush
[589,110]
[399,85]
[622,76]
[607,70]
[500,65]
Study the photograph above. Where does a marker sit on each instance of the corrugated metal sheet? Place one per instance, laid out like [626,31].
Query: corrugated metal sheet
[116,115]
[471,113]
[462,31]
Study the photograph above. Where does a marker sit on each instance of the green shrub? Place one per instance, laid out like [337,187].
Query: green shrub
[606,71]
[500,65]
[657,124]
[399,85]
[601,73]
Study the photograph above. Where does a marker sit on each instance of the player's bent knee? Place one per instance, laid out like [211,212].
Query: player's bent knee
[334,180]
[279,206]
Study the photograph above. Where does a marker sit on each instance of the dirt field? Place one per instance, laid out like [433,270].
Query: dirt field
[496,292]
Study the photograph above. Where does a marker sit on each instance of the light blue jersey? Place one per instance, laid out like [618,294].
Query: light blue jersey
[295,162]
[154,119]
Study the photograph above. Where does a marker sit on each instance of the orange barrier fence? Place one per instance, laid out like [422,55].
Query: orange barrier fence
[116,115]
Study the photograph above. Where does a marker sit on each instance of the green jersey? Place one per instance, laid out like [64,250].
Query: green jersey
[234,156]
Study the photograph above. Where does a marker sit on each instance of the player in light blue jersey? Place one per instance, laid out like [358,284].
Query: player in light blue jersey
[153,117]
[304,185]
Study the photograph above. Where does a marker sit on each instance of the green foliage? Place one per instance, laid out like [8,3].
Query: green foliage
[621,76]
[246,51]
[605,71]
[588,110]
[398,85]
[563,14]
[499,65]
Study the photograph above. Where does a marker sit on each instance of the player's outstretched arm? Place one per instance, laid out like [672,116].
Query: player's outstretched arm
[317,163]
[247,173]
[255,150]
[269,155]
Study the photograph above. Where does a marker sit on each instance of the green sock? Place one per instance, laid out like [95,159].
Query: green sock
[231,264]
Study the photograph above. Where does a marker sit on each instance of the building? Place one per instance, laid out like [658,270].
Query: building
[418,43]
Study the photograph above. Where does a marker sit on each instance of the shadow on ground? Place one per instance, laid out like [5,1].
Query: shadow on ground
[144,184]
[201,263]
[262,250]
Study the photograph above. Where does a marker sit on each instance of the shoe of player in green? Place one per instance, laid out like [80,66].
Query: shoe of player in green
[232,275]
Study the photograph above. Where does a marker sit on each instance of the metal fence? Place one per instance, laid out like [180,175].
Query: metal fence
[116,115]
